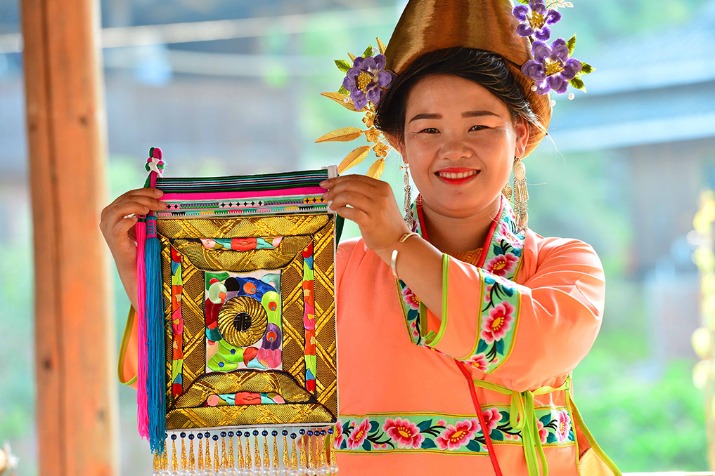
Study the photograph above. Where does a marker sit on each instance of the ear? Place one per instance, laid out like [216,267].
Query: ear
[521,127]
[396,144]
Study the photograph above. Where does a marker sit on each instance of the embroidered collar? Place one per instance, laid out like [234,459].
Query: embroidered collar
[501,256]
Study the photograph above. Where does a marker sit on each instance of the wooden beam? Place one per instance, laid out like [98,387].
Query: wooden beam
[76,404]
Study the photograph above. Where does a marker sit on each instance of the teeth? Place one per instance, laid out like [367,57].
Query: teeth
[460,175]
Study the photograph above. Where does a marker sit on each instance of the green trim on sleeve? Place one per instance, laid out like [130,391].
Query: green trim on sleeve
[431,339]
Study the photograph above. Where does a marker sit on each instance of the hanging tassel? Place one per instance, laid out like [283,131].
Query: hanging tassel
[294,455]
[286,454]
[142,415]
[331,451]
[200,453]
[276,462]
[165,462]
[184,460]
[207,452]
[192,458]
[157,465]
[174,459]
[231,454]
[249,463]
[256,451]
[217,459]
[156,391]
[322,450]
[239,447]
[308,446]
[303,448]
[266,452]
[224,454]
[156,387]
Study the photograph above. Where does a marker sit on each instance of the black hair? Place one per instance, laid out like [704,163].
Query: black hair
[483,67]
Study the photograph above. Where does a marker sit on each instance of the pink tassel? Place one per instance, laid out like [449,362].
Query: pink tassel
[142,413]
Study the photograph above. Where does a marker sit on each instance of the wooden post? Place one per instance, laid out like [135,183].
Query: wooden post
[76,404]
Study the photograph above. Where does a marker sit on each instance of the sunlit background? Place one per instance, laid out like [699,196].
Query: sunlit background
[233,87]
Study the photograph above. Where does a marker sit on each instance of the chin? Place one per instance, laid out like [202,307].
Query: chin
[462,207]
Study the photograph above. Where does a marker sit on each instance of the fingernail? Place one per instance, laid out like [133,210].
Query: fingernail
[323,183]
[158,192]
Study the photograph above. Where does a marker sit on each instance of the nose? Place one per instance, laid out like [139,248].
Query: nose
[455,149]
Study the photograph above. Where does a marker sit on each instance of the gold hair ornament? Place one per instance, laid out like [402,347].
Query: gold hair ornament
[364,85]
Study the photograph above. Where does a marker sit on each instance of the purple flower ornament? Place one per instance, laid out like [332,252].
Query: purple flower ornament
[367,80]
[551,68]
[535,19]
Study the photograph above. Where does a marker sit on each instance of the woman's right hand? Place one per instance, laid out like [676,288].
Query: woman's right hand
[117,225]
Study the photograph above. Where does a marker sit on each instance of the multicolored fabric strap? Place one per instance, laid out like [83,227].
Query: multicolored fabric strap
[245,195]
[453,434]
[279,181]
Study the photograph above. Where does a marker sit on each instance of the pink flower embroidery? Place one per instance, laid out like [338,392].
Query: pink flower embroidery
[508,235]
[492,417]
[359,434]
[563,427]
[415,332]
[501,264]
[543,432]
[404,432]
[410,299]
[338,434]
[479,362]
[457,435]
[498,323]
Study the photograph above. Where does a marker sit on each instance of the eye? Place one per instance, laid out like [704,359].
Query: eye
[478,128]
[429,130]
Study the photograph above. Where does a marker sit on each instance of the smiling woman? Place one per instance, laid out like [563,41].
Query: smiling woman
[465,290]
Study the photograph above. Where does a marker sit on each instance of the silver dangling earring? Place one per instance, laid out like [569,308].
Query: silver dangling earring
[409,218]
[521,194]
[506,191]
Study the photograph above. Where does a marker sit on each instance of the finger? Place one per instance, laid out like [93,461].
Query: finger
[121,210]
[139,192]
[151,202]
[124,225]
[117,231]
[349,179]
[137,205]
[353,214]
[366,188]
[354,200]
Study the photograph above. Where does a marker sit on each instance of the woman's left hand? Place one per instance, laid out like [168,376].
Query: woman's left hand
[371,204]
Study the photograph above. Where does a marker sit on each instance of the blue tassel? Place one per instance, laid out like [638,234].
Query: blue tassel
[156,386]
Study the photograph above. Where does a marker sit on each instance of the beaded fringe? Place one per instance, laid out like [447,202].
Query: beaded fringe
[250,452]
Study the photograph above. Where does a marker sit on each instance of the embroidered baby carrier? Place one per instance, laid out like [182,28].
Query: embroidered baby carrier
[236,319]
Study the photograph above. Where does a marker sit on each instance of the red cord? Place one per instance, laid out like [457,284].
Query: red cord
[478,409]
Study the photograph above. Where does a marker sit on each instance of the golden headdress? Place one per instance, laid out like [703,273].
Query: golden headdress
[518,34]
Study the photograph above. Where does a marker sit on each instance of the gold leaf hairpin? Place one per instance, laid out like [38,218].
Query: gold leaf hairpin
[365,83]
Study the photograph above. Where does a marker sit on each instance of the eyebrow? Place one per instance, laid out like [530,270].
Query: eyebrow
[479,113]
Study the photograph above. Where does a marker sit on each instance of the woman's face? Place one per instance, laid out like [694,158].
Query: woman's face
[460,142]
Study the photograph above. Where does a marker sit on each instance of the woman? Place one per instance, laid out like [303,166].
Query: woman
[457,339]
[506,314]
